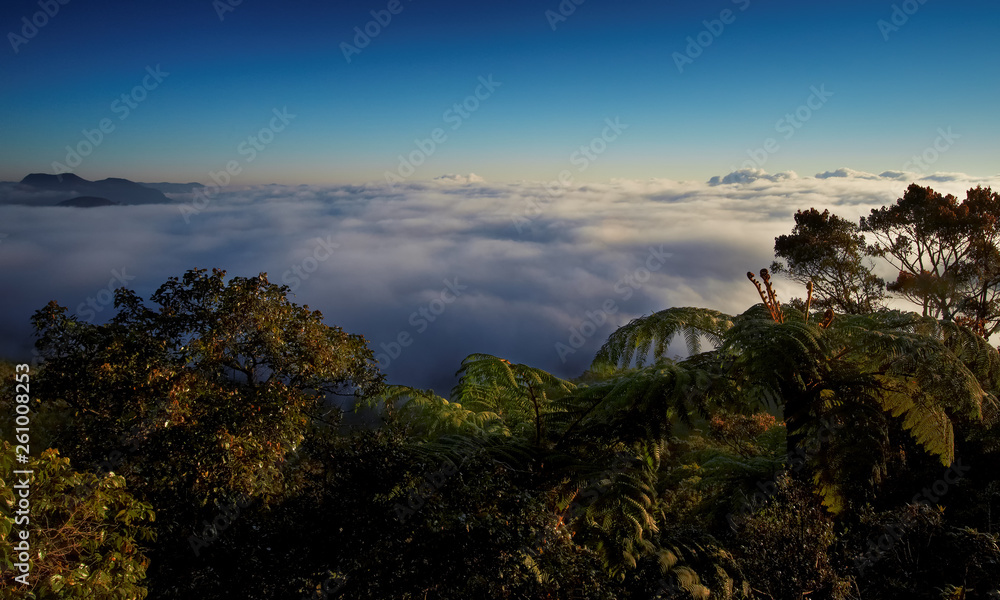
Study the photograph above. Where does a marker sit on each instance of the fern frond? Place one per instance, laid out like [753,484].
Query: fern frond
[522,396]
[634,341]
[434,415]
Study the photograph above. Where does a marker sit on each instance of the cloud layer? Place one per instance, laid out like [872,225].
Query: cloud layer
[433,271]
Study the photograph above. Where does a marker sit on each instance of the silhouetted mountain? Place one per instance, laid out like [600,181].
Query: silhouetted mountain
[48,181]
[174,188]
[116,190]
[88,202]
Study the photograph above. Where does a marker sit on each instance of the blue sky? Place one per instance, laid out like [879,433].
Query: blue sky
[606,60]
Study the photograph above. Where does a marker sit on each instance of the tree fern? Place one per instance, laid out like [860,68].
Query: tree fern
[520,395]
[434,415]
[924,375]
[618,517]
[653,333]
[641,403]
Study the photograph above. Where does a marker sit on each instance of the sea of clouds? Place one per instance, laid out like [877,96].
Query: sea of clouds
[432,271]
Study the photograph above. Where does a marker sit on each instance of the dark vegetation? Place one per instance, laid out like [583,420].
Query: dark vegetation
[826,448]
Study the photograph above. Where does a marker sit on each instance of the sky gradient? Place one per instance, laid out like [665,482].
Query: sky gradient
[225,69]
[543,158]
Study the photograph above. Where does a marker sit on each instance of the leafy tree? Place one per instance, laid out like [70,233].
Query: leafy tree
[80,546]
[199,402]
[829,252]
[980,275]
[945,252]
[521,396]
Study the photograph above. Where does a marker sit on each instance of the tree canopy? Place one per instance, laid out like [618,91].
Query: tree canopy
[199,401]
[945,252]
[830,252]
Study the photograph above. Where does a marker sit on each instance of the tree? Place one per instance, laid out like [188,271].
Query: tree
[829,252]
[197,403]
[980,274]
[945,252]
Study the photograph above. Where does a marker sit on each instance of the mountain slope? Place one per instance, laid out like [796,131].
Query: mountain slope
[115,190]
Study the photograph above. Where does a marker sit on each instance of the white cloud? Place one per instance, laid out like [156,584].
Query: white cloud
[450,178]
[847,173]
[750,176]
[533,263]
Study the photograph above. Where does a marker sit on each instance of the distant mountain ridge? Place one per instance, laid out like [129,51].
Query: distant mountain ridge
[113,190]
[174,188]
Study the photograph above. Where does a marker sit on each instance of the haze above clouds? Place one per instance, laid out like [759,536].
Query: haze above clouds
[457,264]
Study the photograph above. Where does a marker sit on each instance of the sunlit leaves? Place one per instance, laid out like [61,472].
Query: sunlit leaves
[87,534]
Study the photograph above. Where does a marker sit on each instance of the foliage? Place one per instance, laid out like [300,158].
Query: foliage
[210,391]
[852,393]
[786,548]
[739,432]
[920,372]
[414,530]
[199,401]
[945,252]
[654,333]
[80,546]
[431,414]
[912,552]
[521,396]
[829,252]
